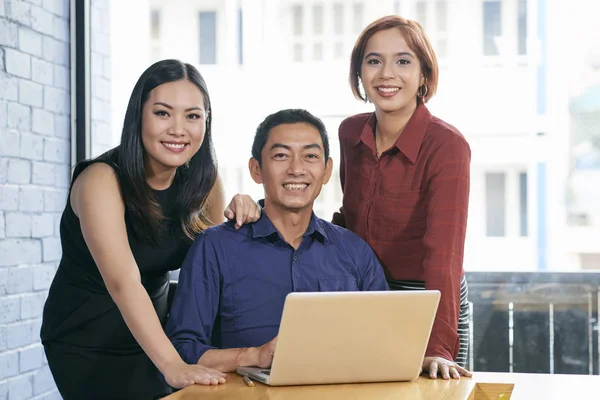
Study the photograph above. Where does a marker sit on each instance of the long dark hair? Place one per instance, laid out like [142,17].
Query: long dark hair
[193,181]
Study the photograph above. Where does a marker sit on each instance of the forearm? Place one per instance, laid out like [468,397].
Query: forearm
[444,341]
[141,319]
[228,360]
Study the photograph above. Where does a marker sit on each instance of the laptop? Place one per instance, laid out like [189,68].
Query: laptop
[350,337]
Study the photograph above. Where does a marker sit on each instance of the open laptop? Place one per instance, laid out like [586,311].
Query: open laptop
[350,337]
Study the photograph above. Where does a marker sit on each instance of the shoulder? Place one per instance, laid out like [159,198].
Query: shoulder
[344,238]
[98,175]
[222,235]
[352,126]
[447,138]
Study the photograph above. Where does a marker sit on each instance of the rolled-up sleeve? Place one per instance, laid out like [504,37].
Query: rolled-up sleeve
[196,302]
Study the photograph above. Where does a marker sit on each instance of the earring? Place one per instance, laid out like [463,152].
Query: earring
[422,92]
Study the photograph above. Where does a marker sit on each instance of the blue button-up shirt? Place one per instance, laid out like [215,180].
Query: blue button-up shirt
[233,283]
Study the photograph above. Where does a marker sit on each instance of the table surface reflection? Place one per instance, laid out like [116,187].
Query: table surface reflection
[483,385]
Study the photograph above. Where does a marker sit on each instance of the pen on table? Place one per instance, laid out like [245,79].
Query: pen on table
[248,381]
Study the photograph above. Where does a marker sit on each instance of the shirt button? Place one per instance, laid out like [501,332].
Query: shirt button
[295,258]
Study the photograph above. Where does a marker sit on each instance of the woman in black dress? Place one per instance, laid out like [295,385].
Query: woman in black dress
[131,215]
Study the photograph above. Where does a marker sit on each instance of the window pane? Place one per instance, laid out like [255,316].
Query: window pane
[298,49]
[208,37]
[298,20]
[441,10]
[155,24]
[318,52]
[338,18]
[442,48]
[318,20]
[358,11]
[492,26]
[523,204]
[240,37]
[495,204]
[422,13]
[338,50]
[522,34]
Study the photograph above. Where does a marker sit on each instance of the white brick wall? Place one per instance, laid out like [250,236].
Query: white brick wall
[34,175]
[35,171]
[100,65]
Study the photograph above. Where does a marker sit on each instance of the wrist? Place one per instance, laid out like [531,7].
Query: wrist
[248,357]
[169,362]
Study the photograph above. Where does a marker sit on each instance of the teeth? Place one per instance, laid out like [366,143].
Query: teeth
[295,186]
[387,90]
[174,145]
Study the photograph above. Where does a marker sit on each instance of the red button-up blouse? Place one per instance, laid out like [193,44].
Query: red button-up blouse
[410,205]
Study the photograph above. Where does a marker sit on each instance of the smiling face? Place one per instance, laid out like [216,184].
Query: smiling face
[391,72]
[293,167]
[173,125]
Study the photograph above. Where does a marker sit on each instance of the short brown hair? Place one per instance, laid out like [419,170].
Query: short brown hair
[417,40]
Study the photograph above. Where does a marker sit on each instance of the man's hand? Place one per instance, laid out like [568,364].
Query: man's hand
[243,209]
[447,369]
[266,353]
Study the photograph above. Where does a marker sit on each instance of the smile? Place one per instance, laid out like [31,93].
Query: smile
[174,147]
[295,186]
[388,89]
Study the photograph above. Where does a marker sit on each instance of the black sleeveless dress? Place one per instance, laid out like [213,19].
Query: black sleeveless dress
[91,352]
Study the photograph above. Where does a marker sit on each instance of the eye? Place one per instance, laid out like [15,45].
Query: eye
[403,62]
[194,116]
[373,61]
[161,113]
[280,156]
[313,156]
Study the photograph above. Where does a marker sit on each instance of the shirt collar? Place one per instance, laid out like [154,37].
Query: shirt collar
[409,143]
[265,228]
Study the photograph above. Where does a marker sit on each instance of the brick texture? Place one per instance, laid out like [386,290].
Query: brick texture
[35,146]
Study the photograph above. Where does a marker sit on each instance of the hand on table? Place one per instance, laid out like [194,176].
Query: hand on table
[435,366]
[180,375]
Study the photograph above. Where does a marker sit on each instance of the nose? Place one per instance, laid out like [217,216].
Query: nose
[296,167]
[177,126]
[387,70]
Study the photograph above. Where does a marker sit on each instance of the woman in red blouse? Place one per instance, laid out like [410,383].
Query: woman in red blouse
[405,179]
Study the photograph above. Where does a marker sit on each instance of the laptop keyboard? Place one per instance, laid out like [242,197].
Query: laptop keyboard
[266,372]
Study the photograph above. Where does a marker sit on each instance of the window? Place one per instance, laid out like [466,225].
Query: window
[338,18]
[317,52]
[208,37]
[492,26]
[441,24]
[523,225]
[298,20]
[298,50]
[522,28]
[433,16]
[155,24]
[397,7]
[359,11]
[338,50]
[240,37]
[495,203]
[317,20]
[421,8]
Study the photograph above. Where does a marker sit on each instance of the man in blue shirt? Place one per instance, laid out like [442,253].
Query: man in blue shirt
[233,282]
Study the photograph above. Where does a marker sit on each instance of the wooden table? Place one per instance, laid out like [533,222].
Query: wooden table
[483,386]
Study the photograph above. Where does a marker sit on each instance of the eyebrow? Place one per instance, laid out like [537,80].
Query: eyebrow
[160,103]
[285,146]
[401,54]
